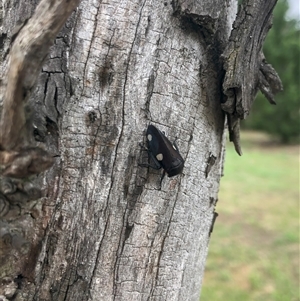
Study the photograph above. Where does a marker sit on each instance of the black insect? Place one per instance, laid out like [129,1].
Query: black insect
[163,153]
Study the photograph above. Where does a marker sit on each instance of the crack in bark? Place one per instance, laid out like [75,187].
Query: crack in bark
[162,248]
[97,260]
[116,266]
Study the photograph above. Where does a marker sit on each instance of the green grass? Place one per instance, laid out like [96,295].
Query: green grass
[254,248]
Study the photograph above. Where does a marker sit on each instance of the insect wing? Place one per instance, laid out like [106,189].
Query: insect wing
[164,151]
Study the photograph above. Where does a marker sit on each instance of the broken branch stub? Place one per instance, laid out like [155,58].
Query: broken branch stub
[245,66]
[26,56]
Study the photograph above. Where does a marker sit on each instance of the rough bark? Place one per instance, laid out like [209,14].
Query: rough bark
[102,228]
[245,65]
[30,44]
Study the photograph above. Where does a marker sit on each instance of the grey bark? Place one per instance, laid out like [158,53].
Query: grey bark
[96,225]
[245,65]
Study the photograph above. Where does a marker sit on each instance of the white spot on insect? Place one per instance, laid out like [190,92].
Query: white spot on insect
[159,157]
[149,137]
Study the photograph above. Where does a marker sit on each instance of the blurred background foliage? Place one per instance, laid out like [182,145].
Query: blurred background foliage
[254,247]
[282,50]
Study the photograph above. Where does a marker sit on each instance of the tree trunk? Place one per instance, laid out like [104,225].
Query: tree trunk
[103,227]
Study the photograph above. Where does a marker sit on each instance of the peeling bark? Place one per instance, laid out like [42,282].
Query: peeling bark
[245,66]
